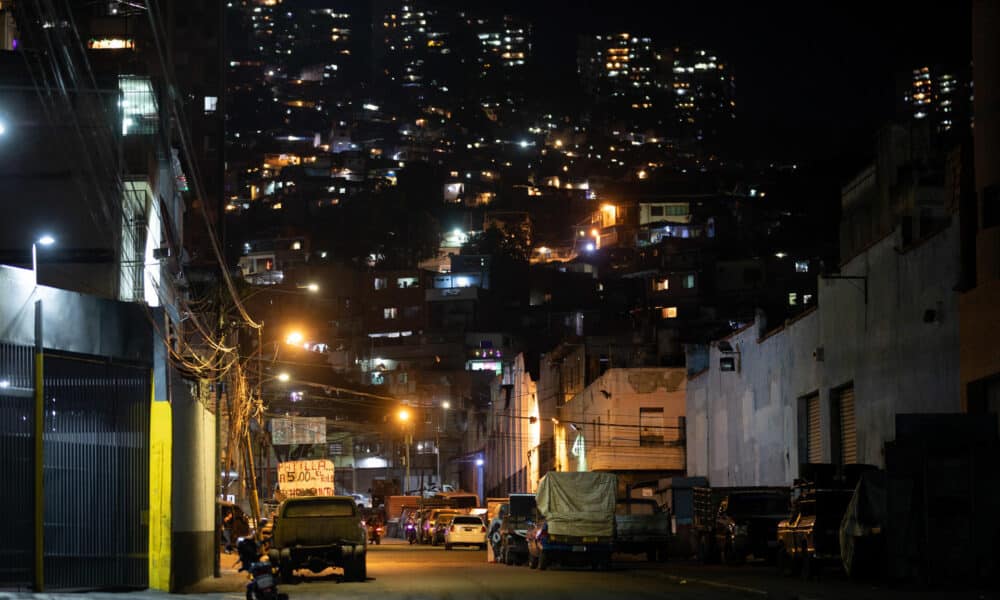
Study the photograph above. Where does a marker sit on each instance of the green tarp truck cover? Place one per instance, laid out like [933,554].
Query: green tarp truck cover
[579,504]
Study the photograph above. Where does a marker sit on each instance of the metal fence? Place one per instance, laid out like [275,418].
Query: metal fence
[16,472]
[96,471]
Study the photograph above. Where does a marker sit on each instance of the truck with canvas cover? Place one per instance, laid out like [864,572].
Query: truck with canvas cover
[576,520]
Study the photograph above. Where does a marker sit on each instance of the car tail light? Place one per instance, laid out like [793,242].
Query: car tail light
[452,528]
[482,529]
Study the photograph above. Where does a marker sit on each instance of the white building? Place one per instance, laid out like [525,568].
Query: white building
[827,386]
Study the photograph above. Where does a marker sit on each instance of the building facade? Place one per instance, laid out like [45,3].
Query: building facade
[826,387]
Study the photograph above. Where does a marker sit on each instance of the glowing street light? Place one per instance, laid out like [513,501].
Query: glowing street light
[404,417]
[45,240]
[284,377]
[294,338]
[3,128]
[446,405]
[313,287]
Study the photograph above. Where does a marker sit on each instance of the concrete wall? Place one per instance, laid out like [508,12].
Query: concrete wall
[73,322]
[193,482]
[744,426]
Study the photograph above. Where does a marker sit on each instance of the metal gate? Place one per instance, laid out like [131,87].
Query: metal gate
[848,429]
[814,430]
[16,458]
[95,471]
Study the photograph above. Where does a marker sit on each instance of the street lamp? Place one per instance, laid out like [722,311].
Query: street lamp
[284,377]
[294,338]
[445,405]
[45,240]
[404,417]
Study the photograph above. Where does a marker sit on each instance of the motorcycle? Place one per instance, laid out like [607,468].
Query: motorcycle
[411,533]
[374,534]
[263,584]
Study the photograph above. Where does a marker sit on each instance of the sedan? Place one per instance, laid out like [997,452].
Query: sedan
[465,530]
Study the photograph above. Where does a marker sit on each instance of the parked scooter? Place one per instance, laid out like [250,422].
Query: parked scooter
[263,584]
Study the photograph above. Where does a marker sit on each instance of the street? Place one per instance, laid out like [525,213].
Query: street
[398,570]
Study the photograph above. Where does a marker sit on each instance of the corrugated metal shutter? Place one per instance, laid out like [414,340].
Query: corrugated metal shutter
[814,433]
[848,430]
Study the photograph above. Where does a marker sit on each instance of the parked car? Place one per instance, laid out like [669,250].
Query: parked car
[441,523]
[465,530]
[316,532]
[514,527]
[809,539]
[734,523]
[429,521]
[493,529]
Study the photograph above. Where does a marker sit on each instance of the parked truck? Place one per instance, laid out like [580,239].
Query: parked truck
[809,539]
[641,527]
[735,522]
[316,532]
[513,529]
[575,522]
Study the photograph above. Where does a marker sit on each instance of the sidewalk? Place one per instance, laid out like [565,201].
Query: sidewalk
[763,581]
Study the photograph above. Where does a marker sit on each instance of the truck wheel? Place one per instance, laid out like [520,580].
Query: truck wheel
[704,549]
[807,563]
[356,569]
[543,561]
[782,562]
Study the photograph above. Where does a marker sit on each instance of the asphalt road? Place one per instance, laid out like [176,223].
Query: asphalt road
[398,570]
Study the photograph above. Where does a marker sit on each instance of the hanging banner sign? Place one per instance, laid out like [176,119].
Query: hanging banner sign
[306,478]
[298,430]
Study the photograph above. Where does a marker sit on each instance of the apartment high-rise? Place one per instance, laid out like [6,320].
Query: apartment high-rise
[704,104]
[620,65]
[940,95]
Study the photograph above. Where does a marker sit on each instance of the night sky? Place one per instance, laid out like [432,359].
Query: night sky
[814,79]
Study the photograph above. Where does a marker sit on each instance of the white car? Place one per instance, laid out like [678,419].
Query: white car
[465,530]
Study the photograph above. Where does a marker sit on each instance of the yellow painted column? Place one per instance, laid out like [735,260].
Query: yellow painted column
[38,583]
[160,464]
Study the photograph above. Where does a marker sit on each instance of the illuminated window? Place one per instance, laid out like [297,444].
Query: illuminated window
[390,313]
[138,105]
[669,312]
[793,298]
[802,266]
[380,283]
[688,282]
[211,103]
[807,298]
[662,285]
